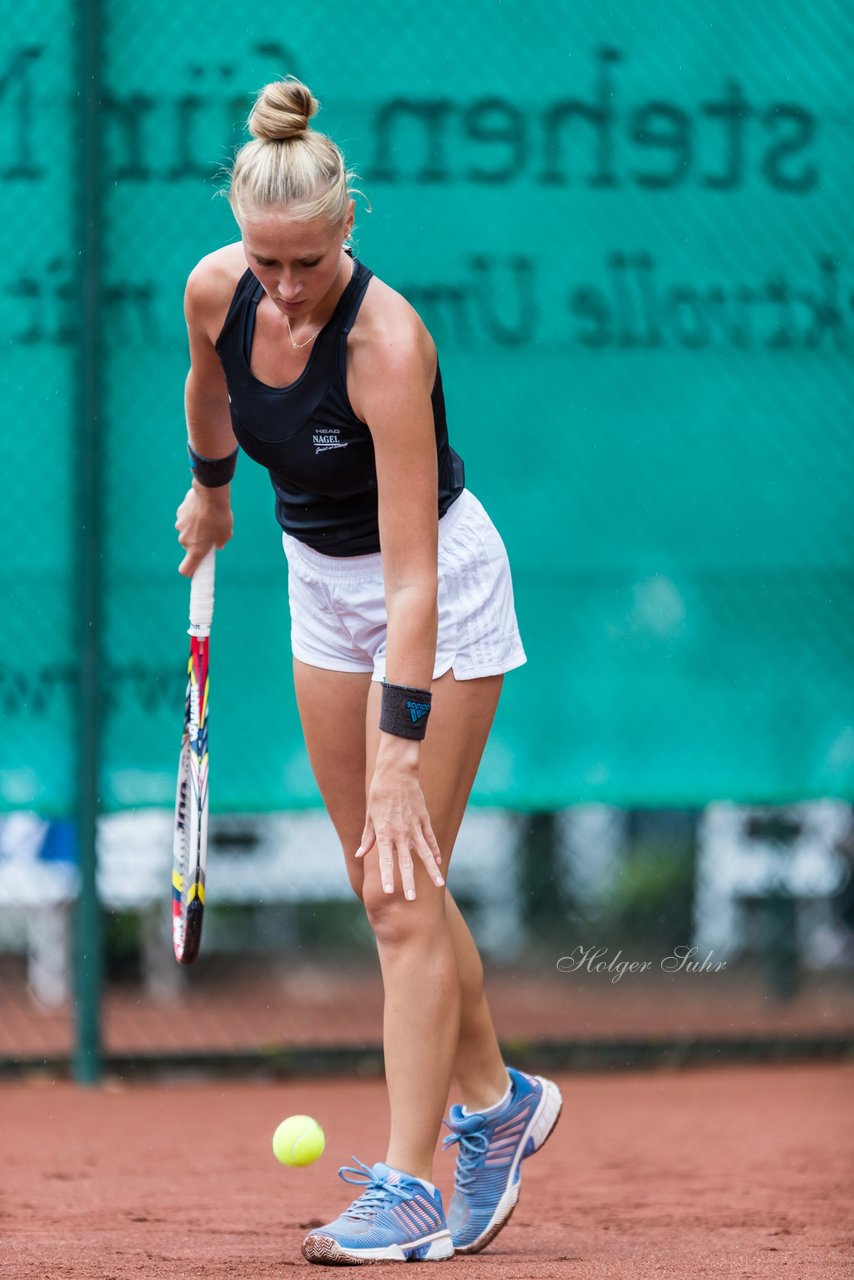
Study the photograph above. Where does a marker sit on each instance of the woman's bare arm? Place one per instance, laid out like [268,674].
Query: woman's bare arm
[204,517]
[394,377]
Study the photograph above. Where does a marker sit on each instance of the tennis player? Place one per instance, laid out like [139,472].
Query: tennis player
[403,626]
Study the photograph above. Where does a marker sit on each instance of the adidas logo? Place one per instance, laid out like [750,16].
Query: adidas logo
[418,710]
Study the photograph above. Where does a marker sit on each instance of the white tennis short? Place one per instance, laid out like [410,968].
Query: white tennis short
[338,613]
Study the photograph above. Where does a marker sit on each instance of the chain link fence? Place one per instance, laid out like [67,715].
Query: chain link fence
[715,927]
[625,230]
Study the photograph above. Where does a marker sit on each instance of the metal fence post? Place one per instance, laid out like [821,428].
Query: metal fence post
[543,894]
[88,531]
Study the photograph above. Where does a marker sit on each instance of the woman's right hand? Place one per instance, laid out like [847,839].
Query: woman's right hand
[203,520]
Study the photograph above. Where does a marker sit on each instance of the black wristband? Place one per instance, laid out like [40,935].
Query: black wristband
[405,711]
[213,473]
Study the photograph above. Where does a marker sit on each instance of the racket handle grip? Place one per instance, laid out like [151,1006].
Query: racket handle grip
[202,596]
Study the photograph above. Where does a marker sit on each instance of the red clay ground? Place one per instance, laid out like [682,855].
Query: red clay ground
[727,1172]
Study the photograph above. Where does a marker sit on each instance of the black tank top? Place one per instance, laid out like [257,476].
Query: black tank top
[319,454]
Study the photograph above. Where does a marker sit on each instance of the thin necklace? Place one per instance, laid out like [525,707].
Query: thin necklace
[298,346]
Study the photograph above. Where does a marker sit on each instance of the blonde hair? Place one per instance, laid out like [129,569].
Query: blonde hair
[288,163]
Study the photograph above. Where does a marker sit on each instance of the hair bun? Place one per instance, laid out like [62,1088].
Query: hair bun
[282,110]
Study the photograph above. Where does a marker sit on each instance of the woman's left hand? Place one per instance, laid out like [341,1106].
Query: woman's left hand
[397,823]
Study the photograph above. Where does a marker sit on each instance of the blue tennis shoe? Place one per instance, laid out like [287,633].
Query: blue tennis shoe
[491,1149]
[397,1218]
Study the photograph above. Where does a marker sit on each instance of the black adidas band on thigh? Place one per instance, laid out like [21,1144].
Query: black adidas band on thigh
[405,711]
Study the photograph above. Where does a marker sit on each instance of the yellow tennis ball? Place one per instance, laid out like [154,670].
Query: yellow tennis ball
[298,1140]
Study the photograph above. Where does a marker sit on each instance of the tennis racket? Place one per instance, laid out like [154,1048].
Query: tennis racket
[189,849]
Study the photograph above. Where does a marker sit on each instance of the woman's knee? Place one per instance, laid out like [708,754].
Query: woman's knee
[396,920]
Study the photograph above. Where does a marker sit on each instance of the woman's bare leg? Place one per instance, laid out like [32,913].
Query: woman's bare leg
[436,1017]
[478,1065]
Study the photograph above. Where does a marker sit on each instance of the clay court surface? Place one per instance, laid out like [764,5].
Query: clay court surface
[742,1172]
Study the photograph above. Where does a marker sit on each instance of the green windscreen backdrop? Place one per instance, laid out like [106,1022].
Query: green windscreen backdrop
[628,228]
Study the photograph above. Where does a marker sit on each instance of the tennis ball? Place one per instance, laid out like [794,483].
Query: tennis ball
[298,1141]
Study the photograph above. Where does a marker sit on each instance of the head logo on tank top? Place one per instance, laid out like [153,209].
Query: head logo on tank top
[328,438]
